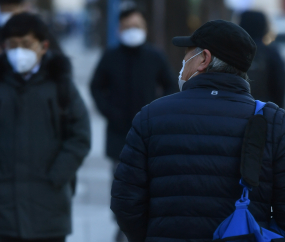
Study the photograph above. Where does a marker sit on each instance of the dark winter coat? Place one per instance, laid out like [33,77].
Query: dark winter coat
[36,163]
[267,75]
[179,173]
[267,71]
[126,80]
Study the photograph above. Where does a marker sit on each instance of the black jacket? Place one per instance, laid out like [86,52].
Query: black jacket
[267,70]
[179,173]
[267,75]
[126,80]
[36,163]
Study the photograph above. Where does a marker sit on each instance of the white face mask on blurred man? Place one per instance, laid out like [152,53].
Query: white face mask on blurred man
[24,53]
[22,60]
[133,30]
[133,37]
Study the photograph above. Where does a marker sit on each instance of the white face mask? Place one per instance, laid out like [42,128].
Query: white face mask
[133,37]
[180,81]
[22,60]
[4,18]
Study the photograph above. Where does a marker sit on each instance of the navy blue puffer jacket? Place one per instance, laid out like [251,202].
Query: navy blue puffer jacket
[179,173]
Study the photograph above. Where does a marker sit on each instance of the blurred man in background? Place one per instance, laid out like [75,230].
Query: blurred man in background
[45,135]
[7,9]
[267,70]
[10,7]
[127,78]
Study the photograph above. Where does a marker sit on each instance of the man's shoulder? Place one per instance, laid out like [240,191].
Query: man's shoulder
[154,51]
[151,48]
[275,117]
[147,49]
[163,104]
[166,99]
[57,64]
[110,54]
[111,51]
[274,114]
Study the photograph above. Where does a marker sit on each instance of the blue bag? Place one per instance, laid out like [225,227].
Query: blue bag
[241,225]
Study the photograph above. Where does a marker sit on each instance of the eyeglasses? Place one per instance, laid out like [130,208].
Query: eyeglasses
[12,44]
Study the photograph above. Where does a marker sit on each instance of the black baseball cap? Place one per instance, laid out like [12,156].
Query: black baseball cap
[225,40]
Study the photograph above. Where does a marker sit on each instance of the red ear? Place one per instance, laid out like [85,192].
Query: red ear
[46,44]
[207,60]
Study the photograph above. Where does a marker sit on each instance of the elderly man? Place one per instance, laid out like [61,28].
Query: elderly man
[179,173]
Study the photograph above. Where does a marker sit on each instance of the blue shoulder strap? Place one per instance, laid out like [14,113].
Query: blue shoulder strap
[259,107]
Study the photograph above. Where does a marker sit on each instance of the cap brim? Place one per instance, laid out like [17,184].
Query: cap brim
[183,41]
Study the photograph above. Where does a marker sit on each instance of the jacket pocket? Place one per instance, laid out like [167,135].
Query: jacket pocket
[52,117]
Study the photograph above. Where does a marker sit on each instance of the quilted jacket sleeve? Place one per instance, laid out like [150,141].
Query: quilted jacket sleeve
[130,187]
[278,202]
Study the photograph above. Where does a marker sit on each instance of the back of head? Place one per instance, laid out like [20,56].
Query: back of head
[255,23]
[23,24]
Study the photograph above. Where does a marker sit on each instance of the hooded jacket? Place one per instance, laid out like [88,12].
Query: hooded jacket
[37,162]
[180,168]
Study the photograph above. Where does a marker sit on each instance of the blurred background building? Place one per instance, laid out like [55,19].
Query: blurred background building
[82,29]
[166,18]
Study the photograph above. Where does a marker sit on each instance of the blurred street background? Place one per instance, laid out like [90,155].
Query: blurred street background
[81,26]
[92,216]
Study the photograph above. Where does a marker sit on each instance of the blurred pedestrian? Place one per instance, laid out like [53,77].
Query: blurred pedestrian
[180,169]
[267,70]
[45,135]
[127,78]
[7,9]
[10,7]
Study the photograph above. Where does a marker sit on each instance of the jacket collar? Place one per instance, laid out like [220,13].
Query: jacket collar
[218,81]
[132,50]
[16,79]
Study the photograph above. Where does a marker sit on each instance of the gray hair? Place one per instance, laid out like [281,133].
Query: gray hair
[218,65]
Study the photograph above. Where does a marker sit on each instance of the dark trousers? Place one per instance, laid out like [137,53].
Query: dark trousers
[9,239]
